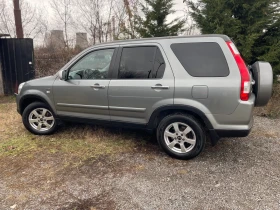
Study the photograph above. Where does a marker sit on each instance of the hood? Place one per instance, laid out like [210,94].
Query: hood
[44,81]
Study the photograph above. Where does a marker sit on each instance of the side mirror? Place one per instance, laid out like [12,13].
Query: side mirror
[62,75]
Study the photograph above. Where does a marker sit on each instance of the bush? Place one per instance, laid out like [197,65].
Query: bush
[272,109]
[49,61]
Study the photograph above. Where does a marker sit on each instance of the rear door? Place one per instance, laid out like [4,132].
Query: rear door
[84,93]
[143,81]
[207,76]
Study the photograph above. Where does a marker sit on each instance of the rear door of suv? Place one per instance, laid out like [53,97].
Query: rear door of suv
[207,76]
[142,81]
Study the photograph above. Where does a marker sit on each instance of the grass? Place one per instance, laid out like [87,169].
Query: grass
[272,109]
[32,165]
[73,143]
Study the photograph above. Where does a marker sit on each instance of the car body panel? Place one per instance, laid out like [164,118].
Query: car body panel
[75,97]
[40,88]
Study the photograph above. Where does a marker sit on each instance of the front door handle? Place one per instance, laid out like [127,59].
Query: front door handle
[97,86]
[159,86]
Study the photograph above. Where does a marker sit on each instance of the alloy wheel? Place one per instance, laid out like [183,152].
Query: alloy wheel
[41,119]
[179,137]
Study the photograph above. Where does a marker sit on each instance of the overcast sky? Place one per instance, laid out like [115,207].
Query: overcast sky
[53,25]
[178,7]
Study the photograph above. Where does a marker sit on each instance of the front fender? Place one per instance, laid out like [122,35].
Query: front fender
[36,95]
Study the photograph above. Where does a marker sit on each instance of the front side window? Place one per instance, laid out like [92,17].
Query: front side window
[94,65]
[141,63]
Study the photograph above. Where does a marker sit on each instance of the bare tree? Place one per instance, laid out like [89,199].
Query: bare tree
[95,18]
[105,20]
[6,19]
[190,26]
[108,22]
[130,18]
[88,16]
[125,12]
[63,11]
[33,21]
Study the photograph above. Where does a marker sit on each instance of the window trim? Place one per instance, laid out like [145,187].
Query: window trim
[173,44]
[88,52]
[115,74]
[155,60]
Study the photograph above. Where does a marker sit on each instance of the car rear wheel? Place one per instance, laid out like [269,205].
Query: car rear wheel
[181,136]
[39,119]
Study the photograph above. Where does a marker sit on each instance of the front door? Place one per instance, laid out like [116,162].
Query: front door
[84,93]
[144,82]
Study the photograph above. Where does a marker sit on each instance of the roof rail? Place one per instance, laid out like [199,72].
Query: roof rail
[225,37]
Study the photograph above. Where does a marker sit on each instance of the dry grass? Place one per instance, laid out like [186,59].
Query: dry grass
[73,143]
[273,107]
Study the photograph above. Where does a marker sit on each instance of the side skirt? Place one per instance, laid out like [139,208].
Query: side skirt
[106,123]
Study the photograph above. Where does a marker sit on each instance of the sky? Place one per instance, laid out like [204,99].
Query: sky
[178,7]
[44,5]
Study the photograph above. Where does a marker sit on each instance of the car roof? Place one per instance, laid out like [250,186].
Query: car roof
[225,37]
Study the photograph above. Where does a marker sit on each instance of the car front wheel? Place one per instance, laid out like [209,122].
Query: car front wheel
[39,119]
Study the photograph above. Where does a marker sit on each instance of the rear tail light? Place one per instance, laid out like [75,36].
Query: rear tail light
[245,76]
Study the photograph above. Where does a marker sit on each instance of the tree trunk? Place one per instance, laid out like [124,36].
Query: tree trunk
[18,22]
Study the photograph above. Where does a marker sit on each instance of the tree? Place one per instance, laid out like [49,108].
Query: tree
[63,12]
[95,17]
[18,21]
[267,47]
[33,21]
[6,19]
[155,24]
[125,12]
[190,26]
[242,20]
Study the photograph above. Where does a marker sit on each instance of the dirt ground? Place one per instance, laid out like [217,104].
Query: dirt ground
[87,167]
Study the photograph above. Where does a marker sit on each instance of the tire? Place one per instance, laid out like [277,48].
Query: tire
[184,135]
[36,114]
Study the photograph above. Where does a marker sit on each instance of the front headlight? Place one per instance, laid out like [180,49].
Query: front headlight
[20,87]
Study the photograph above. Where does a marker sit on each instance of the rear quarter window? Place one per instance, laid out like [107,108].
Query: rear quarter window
[203,59]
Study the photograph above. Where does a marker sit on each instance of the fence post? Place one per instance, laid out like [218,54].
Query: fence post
[1,81]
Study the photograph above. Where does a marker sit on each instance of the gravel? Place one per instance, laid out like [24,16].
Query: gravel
[238,173]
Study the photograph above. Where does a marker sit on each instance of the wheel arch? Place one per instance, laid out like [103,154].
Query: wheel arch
[28,99]
[163,111]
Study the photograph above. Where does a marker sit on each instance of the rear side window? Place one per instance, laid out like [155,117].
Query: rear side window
[141,63]
[202,59]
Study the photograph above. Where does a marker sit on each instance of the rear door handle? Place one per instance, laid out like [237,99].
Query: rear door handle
[97,86]
[159,86]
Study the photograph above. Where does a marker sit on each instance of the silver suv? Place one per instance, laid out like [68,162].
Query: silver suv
[181,88]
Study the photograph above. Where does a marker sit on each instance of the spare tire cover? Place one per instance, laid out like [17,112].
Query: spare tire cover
[263,76]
